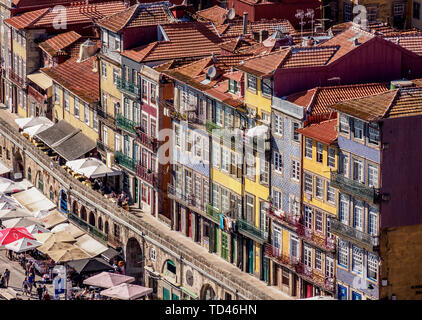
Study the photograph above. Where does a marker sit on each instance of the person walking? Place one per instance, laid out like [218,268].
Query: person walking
[25,286]
[31,279]
[7,276]
[40,290]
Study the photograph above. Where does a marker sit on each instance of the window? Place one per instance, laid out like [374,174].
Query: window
[215,196]
[228,117]
[318,259]
[224,200]
[219,114]
[357,257]
[331,157]
[153,93]
[105,38]
[358,129]
[267,87]
[308,148]
[344,123]
[319,152]
[105,136]
[250,166]
[319,221]
[308,183]
[250,212]
[278,124]
[373,133]
[398,10]
[307,256]
[145,90]
[232,86]
[115,75]
[116,142]
[104,101]
[285,276]
[372,176]
[51,194]
[277,200]
[66,100]
[308,217]
[295,135]
[216,155]
[358,215]
[277,238]
[294,246]
[372,271]
[117,43]
[278,162]
[76,107]
[153,130]
[319,188]
[251,82]
[86,114]
[198,146]
[95,121]
[416,10]
[372,14]
[343,248]
[331,193]
[344,209]
[264,176]
[344,164]
[358,170]
[177,135]
[225,159]
[265,117]
[294,205]
[56,93]
[329,267]
[295,170]
[372,221]
[104,70]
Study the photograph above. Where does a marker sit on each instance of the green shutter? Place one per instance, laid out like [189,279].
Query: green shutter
[224,246]
[166,294]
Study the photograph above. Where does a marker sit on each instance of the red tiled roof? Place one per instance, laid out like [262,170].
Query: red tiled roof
[76,77]
[215,14]
[44,18]
[324,131]
[188,39]
[239,44]
[235,28]
[320,98]
[410,42]
[138,15]
[59,42]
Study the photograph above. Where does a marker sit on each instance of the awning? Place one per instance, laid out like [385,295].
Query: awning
[34,200]
[40,79]
[3,168]
[189,292]
[53,219]
[91,168]
[90,245]
[25,123]
[110,254]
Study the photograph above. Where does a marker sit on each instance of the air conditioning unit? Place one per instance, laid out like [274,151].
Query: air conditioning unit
[110,159]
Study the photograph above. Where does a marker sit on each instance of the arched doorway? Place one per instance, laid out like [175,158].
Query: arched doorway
[100,224]
[106,227]
[91,219]
[63,201]
[83,213]
[18,167]
[75,209]
[207,292]
[134,260]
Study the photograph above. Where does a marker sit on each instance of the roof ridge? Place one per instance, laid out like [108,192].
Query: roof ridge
[354,85]
[397,94]
[135,9]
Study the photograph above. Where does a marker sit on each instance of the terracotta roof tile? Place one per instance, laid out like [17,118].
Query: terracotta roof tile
[188,39]
[324,131]
[60,42]
[215,14]
[320,98]
[410,42]
[138,15]
[76,77]
[235,28]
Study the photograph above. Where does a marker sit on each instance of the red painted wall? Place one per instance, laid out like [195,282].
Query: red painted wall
[135,37]
[401,173]
[376,60]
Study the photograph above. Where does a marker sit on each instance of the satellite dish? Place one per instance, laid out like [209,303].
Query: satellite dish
[212,72]
[231,14]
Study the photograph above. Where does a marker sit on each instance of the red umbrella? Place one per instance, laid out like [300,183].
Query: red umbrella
[9,235]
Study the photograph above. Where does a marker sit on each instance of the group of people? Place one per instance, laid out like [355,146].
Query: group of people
[4,279]
[99,185]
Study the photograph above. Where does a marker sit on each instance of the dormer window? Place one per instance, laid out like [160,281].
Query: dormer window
[232,86]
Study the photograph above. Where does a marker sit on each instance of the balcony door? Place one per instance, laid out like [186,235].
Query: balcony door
[126,145]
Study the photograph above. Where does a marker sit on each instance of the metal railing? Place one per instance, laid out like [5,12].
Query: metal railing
[248,228]
[193,202]
[90,228]
[127,86]
[315,276]
[353,235]
[125,123]
[213,213]
[125,161]
[316,238]
[146,140]
[285,218]
[146,175]
[16,78]
[338,180]
[278,255]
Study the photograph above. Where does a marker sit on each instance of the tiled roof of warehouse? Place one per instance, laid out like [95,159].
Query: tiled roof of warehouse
[187,39]
[320,98]
[377,28]
[215,14]
[325,131]
[59,42]
[76,77]
[392,104]
[75,14]
[235,28]
[141,14]
[410,42]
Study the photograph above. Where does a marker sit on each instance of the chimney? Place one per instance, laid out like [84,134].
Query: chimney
[86,50]
[245,22]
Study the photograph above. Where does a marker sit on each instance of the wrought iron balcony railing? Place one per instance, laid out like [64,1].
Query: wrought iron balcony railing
[213,213]
[316,238]
[125,161]
[125,123]
[315,276]
[356,188]
[193,202]
[250,230]
[16,78]
[278,255]
[353,235]
[86,226]
[146,140]
[286,218]
[127,86]
[146,175]
[37,95]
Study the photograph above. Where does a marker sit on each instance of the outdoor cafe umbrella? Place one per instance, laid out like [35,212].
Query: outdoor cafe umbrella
[9,235]
[14,213]
[60,256]
[24,123]
[91,168]
[90,265]
[60,227]
[126,291]
[36,229]
[7,202]
[22,245]
[9,186]
[61,236]
[32,131]
[47,247]
[19,222]
[108,280]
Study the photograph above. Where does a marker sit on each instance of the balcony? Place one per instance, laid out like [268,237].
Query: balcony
[278,256]
[210,126]
[285,218]
[146,175]
[126,124]
[101,146]
[192,202]
[16,78]
[316,238]
[39,97]
[213,213]
[354,187]
[251,231]
[87,227]
[348,233]
[315,276]
[125,161]
[128,87]
[146,140]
